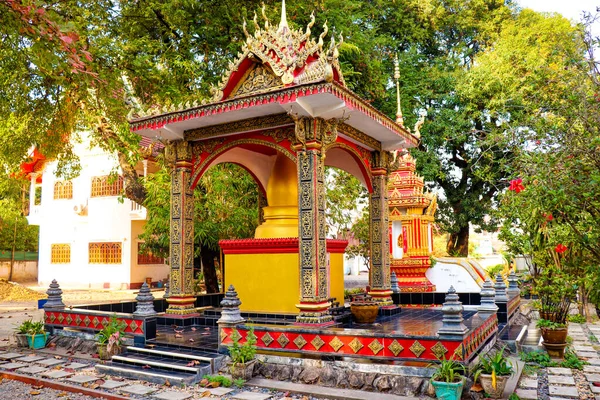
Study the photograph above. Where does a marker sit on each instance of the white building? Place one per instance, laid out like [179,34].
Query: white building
[88,234]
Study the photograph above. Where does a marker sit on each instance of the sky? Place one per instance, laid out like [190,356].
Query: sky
[571,9]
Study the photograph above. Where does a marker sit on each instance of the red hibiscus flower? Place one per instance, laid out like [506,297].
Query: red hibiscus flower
[516,185]
[560,248]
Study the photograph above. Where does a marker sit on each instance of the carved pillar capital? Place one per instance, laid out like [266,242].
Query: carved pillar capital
[315,133]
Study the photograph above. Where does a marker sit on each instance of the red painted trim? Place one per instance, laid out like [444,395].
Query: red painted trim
[259,246]
[273,246]
[336,246]
[30,380]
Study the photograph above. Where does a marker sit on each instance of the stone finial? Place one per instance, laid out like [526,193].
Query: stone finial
[145,302]
[394,283]
[488,294]
[500,287]
[54,293]
[230,313]
[513,285]
[452,321]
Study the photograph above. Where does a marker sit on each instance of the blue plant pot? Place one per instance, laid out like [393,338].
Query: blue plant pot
[37,341]
[448,391]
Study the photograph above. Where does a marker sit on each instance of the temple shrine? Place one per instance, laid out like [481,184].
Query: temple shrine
[283,112]
[411,227]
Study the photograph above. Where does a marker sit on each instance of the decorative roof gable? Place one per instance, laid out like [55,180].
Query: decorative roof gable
[275,57]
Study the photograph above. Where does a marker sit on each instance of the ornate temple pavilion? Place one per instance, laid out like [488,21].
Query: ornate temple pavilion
[282,112]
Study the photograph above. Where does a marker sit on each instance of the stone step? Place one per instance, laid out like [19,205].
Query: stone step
[148,375]
[170,354]
[160,363]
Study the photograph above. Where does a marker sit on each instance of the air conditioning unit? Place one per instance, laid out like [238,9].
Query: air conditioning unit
[80,209]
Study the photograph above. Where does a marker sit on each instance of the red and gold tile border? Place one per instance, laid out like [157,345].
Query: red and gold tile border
[294,339]
[91,321]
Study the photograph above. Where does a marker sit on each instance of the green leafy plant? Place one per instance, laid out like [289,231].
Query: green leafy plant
[495,270]
[112,333]
[572,361]
[353,291]
[239,382]
[544,323]
[494,365]
[538,357]
[36,328]
[24,327]
[242,353]
[220,379]
[577,319]
[448,371]
[514,396]
[593,339]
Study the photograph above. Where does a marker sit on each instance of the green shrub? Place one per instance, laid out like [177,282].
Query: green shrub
[577,319]
[544,323]
[220,379]
[242,353]
[25,327]
[448,371]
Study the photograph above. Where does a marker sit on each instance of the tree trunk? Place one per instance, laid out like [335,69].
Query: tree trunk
[12,253]
[458,244]
[210,273]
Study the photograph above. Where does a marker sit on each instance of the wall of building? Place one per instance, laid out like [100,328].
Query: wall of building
[139,273]
[23,271]
[105,219]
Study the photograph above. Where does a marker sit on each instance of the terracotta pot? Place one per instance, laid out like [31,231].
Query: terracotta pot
[364,313]
[104,354]
[486,383]
[555,350]
[554,336]
[242,371]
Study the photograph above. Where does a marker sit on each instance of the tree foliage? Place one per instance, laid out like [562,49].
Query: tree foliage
[226,207]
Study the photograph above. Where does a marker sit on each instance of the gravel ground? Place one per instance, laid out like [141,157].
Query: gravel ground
[15,390]
[543,389]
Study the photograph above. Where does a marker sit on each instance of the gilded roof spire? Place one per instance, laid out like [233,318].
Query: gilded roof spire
[399,118]
[283,24]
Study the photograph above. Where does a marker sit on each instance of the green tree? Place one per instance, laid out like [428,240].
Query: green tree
[226,207]
[15,232]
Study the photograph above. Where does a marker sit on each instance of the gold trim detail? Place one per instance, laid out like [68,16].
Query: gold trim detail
[355,345]
[317,342]
[395,348]
[223,335]
[336,343]
[283,340]
[300,342]
[267,339]
[439,350]
[245,125]
[375,346]
[417,348]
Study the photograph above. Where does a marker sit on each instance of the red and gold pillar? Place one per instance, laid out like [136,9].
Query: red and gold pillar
[378,230]
[313,136]
[181,251]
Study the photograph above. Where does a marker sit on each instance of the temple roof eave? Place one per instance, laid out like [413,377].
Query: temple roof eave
[317,99]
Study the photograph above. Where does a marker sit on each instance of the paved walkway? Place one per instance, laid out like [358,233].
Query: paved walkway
[563,383]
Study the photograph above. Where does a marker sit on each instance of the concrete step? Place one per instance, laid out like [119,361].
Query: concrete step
[148,375]
[160,363]
[170,354]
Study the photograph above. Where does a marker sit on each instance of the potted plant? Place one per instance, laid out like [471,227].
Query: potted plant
[36,335]
[447,380]
[110,339]
[21,333]
[364,310]
[242,355]
[493,373]
[556,291]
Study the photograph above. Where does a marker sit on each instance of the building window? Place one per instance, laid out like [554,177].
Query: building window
[106,185]
[63,190]
[148,258]
[105,253]
[60,254]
